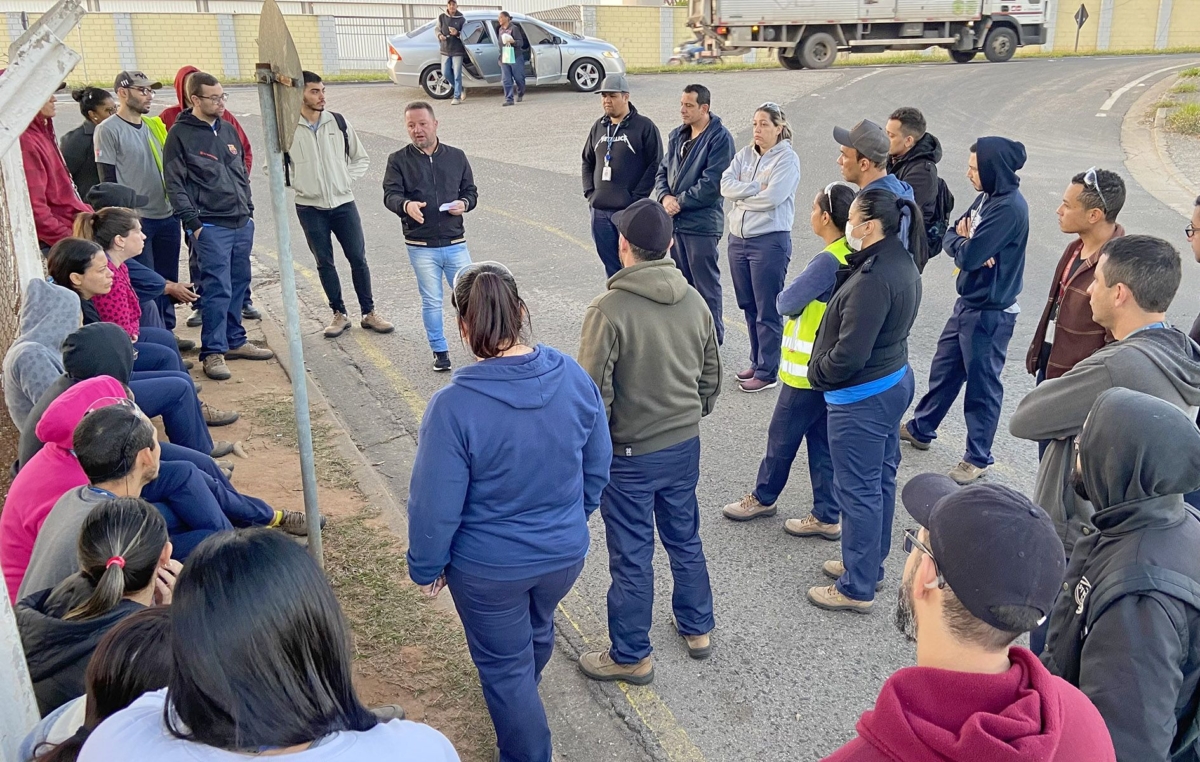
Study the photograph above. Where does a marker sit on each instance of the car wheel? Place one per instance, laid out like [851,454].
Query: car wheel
[791,63]
[962,56]
[435,85]
[586,75]
[818,51]
[1000,45]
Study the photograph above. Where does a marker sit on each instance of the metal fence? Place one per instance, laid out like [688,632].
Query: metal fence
[568,19]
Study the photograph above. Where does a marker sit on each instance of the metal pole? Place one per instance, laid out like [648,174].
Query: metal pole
[20,710]
[291,309]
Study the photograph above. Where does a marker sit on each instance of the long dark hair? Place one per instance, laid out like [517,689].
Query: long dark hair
[133,658]
[261,651]
[105,225]
[888,208]
[71,256]
[119,547]
[491,309]
[836,203]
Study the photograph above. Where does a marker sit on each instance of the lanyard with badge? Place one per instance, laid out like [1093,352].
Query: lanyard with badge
[610,135]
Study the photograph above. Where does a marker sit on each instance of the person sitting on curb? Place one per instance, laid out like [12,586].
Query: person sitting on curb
[49,314]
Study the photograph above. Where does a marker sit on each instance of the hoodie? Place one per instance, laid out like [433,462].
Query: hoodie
[758,210]
[1026,714]
[474,503]
[1000,230]
[49,313]
[207,183]
[650,344]
[695,180]
[171,113]
[918,169]
[901,189]
[1161,362]
[52,192]
[636,152]
[48,475]
[1126,629]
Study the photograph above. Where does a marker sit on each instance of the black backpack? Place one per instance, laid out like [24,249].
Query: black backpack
[341,123]
[936,228]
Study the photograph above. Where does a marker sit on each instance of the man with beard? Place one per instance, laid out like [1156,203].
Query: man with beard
[983,569]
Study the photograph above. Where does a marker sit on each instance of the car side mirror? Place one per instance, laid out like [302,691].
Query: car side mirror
[557,41]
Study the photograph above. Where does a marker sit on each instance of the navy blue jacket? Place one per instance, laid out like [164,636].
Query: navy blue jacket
[1000,233]
[512,457]
[695,182]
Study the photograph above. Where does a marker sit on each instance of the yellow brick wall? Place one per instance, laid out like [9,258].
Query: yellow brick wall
[1064,29]
[1185,24]
[164,42]
[95,38]
[634,30]
[1135,23]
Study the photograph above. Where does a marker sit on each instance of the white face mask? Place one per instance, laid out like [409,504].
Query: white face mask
[854,243]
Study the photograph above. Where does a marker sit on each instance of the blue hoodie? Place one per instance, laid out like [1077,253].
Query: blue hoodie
[511,460]
[1000,230]
[902,190]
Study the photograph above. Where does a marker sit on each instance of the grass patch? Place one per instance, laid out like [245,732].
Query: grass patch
[1190,73]
[278,417]
[1185,119]
[1164,103]
[1185,87]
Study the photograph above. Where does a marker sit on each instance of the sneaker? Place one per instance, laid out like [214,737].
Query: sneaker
[188,364]
[745,375]
[698,646]
[215,417]
[456,101]
[340,324]
[250,312]
[520,97]
[747,508]
[226,468]
[195,320]
[906,435]
[835,570]
[293,522]
[249,351]
[463,95]
[216,369]
[221,449]
[372,322]
[831,599]
[753,385]
[507,103]
[441,361]
[965,473]
[811,526]
[598,665]
[388,712]
[185,345]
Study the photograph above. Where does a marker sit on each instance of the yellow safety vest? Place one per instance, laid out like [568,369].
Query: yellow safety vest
[799,333]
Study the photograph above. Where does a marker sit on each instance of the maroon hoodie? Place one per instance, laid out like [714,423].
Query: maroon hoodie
[52,192]
[936,715]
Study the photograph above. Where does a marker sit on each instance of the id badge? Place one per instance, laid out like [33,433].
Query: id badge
[606,174]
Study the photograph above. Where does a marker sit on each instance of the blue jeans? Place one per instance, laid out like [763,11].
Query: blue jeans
[452,71]
[644,490]
[971,351]
[864,442]
[697,258]
[799,415]
[431,264]
[758,266]
[607,239]
[223,255]
[512,76]
[173,396]
[161,254]
[320,226]
[510,633]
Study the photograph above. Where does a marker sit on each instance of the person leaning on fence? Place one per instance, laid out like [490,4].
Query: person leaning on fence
[52,192]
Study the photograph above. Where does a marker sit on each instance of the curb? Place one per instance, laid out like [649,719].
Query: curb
[1146,155]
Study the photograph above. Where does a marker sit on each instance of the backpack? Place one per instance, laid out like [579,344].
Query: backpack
[287,158]
[936,228]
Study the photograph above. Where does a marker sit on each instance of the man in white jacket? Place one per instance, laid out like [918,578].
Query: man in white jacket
[325,159]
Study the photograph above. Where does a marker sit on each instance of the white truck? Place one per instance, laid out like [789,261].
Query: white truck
[810,33]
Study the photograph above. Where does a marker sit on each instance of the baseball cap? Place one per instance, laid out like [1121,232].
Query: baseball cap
[867,138]
[134,79]
[103,195]
[645,224]
[992,545]
[614,83]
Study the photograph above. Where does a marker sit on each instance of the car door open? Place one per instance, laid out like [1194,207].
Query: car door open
[545,60]
[483,57]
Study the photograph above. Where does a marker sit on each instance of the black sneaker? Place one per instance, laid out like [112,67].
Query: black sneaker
[441,361]
[185,345]
[195,320]
[250,312]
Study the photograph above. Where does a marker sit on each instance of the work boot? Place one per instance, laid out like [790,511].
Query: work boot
[441,361]
[292,522]
[216,369]
[752,385]
[835,569]
[195,320]
[221,449]
[906,435]
[831,599]
[249,351]
[215,417]
[250,312]
[965,473]
[811,526]
[226,467]
[598,665]
[745,375]
[372,322]
[188,364]
[388,712]
[698,646]
[520,97]
[185,345]
[507,103]
[340,324]
[747,508]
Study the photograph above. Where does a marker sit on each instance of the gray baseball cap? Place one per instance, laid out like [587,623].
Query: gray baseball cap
[867,138]
[614,83]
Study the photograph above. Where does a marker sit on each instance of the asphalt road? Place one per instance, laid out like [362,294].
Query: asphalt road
[786,681]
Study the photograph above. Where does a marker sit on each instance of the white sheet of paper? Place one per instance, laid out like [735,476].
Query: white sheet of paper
[446,207]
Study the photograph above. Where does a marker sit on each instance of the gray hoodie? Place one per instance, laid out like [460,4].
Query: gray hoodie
[758,210]
[34,361]
[1161,362]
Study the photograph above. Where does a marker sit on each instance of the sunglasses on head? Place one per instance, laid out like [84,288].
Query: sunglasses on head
[1090,180]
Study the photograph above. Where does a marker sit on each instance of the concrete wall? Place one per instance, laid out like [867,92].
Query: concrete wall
[1128,25]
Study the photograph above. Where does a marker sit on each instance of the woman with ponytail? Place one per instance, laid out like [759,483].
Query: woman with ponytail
[513,457]
[125,566]
[96,104]
[860,363]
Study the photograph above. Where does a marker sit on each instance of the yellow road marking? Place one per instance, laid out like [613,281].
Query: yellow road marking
[534,223]
[399,383]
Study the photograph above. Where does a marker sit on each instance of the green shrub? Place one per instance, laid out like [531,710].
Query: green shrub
[1185,119]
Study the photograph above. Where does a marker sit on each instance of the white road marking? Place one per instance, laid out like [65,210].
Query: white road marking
[1112,99]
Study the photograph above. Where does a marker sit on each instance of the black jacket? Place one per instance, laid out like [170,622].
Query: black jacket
[205,174]
[864,334]
[918,168]
[79,153]
[636,154]
[58,651]
[1126,628]
[520,41]
[413,175]
[452,45]
[695,181]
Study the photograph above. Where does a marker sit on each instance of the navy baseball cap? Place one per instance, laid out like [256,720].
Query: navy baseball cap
[992,545]
[102,195]
[646,224]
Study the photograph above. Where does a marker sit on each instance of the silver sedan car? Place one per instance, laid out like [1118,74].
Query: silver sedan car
[555,56]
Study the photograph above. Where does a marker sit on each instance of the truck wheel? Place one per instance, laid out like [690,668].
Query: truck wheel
[818,51]
[962,56]
[1000,45]
[791,63]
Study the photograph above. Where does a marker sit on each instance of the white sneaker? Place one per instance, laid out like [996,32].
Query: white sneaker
[455,102]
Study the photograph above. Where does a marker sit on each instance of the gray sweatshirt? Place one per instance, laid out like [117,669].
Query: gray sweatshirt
[759,210]
[49,314]
[56,551]
[1161,362]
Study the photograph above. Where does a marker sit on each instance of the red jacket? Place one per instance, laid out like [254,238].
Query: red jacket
[936,715]
[51,190]
[170,113]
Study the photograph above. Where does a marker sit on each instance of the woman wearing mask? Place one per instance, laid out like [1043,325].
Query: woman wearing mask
[800,410]
[509,547]
[761,182]
[96,105]
[860,363]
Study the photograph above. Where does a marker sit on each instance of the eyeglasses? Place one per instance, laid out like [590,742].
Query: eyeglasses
[104,402]
[1091,181]
[1190,231]
[911,541]
[142,90]
[215,100]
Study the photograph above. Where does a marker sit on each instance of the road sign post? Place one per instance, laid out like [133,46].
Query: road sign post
[1081,17]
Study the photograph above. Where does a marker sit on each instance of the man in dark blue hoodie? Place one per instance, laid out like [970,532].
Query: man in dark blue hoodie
[688,186]
[988,247]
